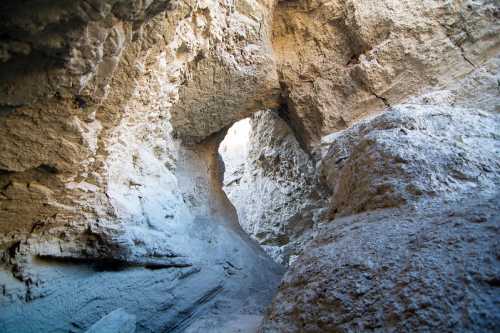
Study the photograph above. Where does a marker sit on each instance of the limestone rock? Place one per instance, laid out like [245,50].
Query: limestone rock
[410,241]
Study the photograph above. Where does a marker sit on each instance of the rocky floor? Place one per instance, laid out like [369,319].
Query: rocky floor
[234,282]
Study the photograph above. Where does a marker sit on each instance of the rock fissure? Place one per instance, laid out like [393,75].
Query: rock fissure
[384,100]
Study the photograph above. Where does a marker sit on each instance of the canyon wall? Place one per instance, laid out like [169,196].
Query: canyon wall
[102,206]
[339,61]
[410,238]
[111,184]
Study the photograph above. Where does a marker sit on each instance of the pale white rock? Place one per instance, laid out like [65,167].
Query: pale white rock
[270,182]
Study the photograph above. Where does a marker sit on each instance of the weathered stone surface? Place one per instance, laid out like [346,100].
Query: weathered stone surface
[65,47]
[410,241]
[271,182]
[84,146]
[118,321]
[410,152]
[342,60]
[432,268]
[225,66]
[100,207]
[110,117]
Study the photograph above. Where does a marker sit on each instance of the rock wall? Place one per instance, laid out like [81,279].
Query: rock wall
[409,242]
[432,268]
[101,206]
[339,61]
[111,113]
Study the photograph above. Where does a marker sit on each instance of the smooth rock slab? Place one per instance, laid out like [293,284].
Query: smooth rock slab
[118,321]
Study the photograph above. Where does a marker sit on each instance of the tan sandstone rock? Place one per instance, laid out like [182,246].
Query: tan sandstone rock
[339,61]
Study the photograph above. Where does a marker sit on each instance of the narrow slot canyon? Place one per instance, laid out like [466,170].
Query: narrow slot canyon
[249,166]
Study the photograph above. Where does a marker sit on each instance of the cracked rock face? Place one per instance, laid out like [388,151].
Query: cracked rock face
[111,185]
[342,60]
[410,242]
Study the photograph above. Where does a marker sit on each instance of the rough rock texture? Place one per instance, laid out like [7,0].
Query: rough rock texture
[414,243]
[111,113]
[64,47]
[66,144]
[100,207]
[270,180]
[225,68]
[339,61]
[434,268]
[411,152]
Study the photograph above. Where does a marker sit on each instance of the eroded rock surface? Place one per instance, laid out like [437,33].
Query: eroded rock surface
[410,152]
[410,241]
[342,60]
[117,321]
[226,69]
[271,183]
[100,206]
[66,47]
[432,268]
[111,113]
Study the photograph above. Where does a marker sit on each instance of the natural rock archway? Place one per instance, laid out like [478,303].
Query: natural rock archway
[271,182]
[373,128]
[101,206]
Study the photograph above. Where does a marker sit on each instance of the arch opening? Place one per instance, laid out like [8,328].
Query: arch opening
[269,179]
